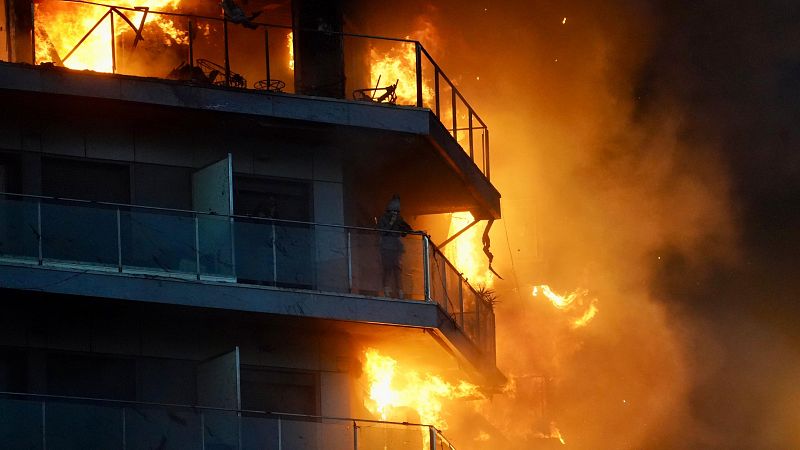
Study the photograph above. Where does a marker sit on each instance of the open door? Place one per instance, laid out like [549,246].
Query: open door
[212,198]
[219,386]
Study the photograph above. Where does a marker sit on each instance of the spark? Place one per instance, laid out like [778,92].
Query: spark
[564,21]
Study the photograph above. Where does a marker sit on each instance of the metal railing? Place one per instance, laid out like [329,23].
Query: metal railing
[34,421]
[215,51]
[191,245]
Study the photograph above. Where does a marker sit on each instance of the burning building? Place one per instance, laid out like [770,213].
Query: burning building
[189,252]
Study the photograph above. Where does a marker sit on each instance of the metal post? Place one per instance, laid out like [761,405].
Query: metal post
[426,268]
[266,54]
[39,226]
[227,55]
[455,116]
[486,155]
[197,244]
[432,437]
[202,431]
[274,258]
[355,435]
[478,307]
[461,297]
[280,438]
[417,47]
[44,425]
[124,426]
[436,88]
[349,262]
[471,149]
[119,242]
[113,45]
[191,42]
[33,35]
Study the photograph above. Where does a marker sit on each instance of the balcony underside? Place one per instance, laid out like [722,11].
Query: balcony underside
[391,149]
[387,322]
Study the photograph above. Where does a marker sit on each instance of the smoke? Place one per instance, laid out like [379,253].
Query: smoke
[616,150]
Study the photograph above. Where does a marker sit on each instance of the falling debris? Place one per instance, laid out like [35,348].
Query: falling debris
[564,22]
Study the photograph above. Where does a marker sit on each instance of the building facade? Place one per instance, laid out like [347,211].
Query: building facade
[190,260]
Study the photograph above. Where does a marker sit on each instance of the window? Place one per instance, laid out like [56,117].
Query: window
[273,390]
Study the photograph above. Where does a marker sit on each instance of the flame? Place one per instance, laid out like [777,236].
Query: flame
[59,27]
[290,46]
[391,388]
[574,301]
[398,64]
[466,251]
[556,433]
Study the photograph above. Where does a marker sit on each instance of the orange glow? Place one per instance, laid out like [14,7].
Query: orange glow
[466,251]
[577,302]
[59,26]
[398,64]
[290,46]
[392,387]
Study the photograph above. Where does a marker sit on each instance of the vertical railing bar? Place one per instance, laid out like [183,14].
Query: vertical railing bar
[436,90]
[124,430]
[119,242]
[349,262]
[432,437]
[202,431]
[426,268]
[418,52]
[190,28]
[113,45]
[280,437]
[44,425]
[478,306]
[274,257]
[461,298]
[33,34]
[355,435]
[266,54]
[197,244]
[471,148]
[39,225]
[486,157]
[227,54]
[455,116]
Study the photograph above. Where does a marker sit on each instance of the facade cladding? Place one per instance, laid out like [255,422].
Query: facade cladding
[186,263]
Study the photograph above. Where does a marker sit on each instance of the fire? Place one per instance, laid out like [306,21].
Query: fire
[576,301]
[391,389]
[556,433]
[60,26]
[290,46]
[465,251]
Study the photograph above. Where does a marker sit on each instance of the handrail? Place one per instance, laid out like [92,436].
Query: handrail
[207,408]
[189,211]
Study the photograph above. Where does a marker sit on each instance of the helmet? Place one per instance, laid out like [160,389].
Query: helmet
[394,204]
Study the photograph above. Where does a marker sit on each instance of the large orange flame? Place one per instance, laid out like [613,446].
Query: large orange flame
[392,388]
[60,26]
[466,251]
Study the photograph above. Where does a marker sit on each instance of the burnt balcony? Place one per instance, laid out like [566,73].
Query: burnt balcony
[252,264]
[273,60]
[49,422]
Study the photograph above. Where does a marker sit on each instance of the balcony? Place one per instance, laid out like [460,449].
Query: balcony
[47,422]
[215,52]
[241,263]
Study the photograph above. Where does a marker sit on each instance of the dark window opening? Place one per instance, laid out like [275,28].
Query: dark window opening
[92,376]
[86,180]
[279,391]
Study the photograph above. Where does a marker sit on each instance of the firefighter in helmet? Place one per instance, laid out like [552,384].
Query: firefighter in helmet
[391,247]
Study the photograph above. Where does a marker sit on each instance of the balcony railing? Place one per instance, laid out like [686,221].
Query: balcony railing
[30,421]
[138,240]
[215,51]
